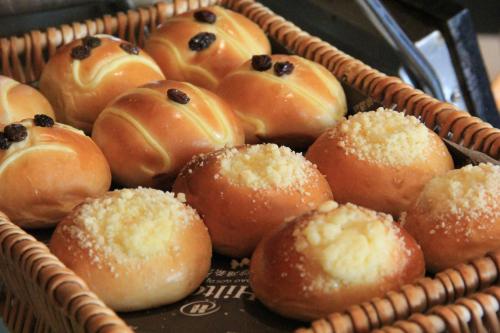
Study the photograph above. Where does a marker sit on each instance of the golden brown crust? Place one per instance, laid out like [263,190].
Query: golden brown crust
[292,109]
[281,277]
[147,138]
[457,219]
[80,89]
[385,188]
[20,101]
[237,217]
[237,39]
[140,283]
[43,177]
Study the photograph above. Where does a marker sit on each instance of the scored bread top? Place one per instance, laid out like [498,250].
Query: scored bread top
[384,136]
[127,224]
[352,244]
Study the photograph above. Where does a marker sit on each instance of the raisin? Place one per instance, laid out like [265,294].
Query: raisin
[178,96]
[4,142]
[80,52]
[91,42]
[201,41]
[43,120]
[261,62]
[205,16]
[282,68]
[15,132]
[129,48]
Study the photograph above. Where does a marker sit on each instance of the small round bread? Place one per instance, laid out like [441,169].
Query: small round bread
[284,99]
[332,258]
[456,217]
[379,159]
[135,248]
[243,193]
[20,101]
[202,46]
[495,88]
[84,75]
[46,169]
[148,134]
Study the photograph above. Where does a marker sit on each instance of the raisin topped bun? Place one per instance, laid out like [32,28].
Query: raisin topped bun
[203,45]
[86,74]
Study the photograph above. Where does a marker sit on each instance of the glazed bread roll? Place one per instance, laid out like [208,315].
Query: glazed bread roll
[149,133]
[243,193]
[86,74]
[46,169]
[457,216]
[495,88]
[202,46]
[20,101]
[284,99]
[379,159]
[136,249]
[332,258]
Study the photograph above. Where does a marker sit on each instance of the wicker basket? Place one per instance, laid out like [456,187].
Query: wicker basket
[44,296]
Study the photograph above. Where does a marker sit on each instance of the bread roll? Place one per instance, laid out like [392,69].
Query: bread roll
[20,101]
[332,258]
[46,169]
[149,133]
[379,159]
[456,217]
[86,74]
[284,99]
[243,193]
[495,88]
[136,249]
[202,46]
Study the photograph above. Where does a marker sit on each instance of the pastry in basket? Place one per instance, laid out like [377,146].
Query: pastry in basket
[86,74]
[135,248]
[284,99]
[379,159]
[149,133]
[20,101]
[46,169]
[202,46]
[243,193]
[457,216]
[329,259]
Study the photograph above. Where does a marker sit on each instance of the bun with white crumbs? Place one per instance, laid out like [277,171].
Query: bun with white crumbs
[135,248]
[332,258]
[457,216]
[380,159]
[242,193]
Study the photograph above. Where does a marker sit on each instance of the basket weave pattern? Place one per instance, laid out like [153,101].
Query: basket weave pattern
[44,296]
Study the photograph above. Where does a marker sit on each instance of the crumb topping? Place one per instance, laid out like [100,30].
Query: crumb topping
[128,224]
[468,194]
[353,245]
[265,166]
[383,136]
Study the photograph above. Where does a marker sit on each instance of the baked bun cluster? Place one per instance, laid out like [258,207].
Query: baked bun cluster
[84,75]
[332,258]
[284,99]
[379,159]
[202,46]
[148,134]
[46,169]
[242,193]
[135,249]
[20,101]
[457,216]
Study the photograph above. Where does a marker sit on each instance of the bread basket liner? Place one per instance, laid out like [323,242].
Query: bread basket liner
[44,296]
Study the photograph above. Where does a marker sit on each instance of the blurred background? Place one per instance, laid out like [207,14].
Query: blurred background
[448,48]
